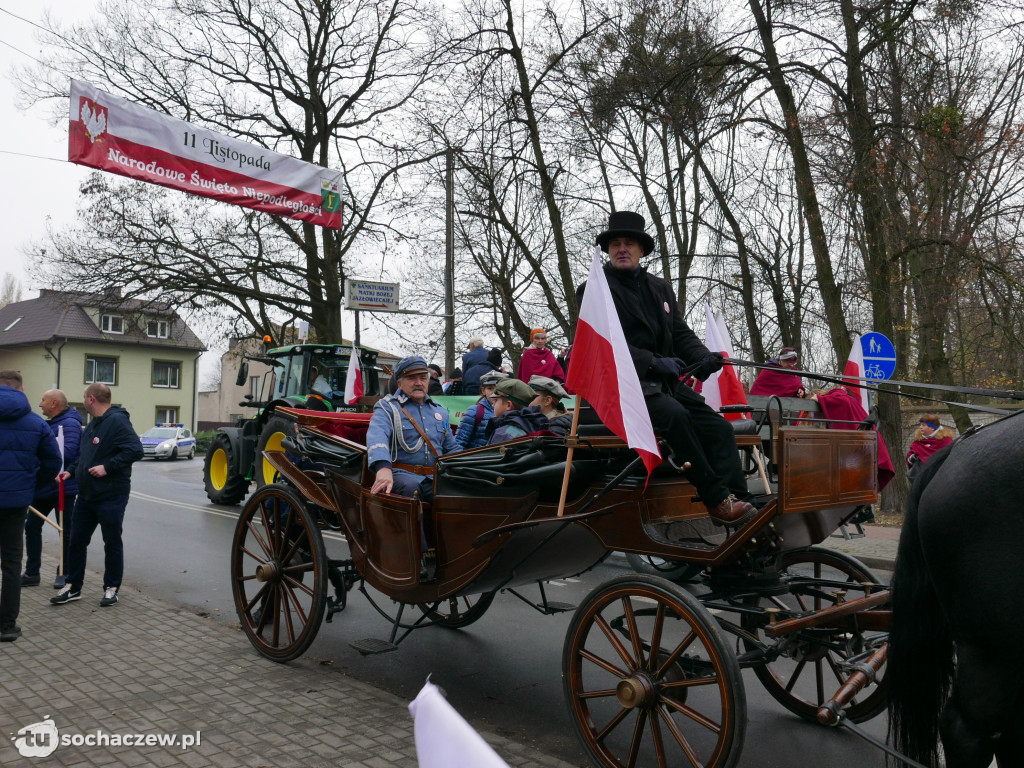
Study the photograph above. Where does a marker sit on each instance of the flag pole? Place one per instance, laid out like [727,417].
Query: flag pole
[60,521]
[568,457]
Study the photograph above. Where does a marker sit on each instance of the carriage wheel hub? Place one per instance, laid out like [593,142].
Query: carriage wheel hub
[267,571]
[636,691]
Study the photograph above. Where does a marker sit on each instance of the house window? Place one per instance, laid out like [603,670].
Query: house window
[166,414]
[166,375]
[254,387]
[112,323]
[157,329]
[100,369]
[16,321]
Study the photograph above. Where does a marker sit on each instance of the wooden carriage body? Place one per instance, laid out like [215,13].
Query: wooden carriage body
[494,521]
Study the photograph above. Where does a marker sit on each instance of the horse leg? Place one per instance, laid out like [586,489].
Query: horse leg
[980,706]
[1010,746]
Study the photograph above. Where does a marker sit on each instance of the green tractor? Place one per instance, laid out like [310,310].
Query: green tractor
[301,376]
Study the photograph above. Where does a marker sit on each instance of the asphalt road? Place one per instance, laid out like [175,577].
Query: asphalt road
[503,672]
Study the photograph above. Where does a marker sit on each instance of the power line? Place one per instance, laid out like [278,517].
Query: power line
[27,21]
[13,48]
[35,157]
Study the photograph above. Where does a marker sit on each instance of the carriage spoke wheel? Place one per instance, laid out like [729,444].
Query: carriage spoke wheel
[649,679]
[458,612]
[808,673]
[278,573]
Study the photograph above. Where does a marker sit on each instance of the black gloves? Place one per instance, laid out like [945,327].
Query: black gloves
[711,363]
[667,366]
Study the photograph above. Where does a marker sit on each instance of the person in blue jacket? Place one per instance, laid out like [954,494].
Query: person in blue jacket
[61,418]
[471,378]
[104,473]
[28,456]
[472,432]
[407,432]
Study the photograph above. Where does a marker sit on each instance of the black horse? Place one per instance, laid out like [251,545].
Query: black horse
[956,649]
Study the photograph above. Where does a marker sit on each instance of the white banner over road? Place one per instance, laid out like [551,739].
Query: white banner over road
[114,135]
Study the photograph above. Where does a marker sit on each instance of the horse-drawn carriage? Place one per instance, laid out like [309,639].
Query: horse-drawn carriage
[651,669]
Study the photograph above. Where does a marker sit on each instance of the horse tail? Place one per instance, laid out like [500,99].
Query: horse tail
[920,665]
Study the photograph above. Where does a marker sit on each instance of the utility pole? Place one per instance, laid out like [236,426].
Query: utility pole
[449,262]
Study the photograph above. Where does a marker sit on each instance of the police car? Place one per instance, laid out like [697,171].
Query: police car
[168,441]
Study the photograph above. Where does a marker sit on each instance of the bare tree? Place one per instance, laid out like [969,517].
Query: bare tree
[10,290]
[324,80]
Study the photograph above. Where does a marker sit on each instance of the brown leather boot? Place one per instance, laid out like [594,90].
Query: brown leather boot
[731,511]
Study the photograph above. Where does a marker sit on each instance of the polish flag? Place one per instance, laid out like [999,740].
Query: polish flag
[353,379]
[602,371]
[723,387]
[855,369]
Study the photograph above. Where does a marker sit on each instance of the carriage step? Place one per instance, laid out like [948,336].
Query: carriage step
[553,607]
[371,646]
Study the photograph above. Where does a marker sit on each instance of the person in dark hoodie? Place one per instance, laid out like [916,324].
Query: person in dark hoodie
[471,378]
[28,455]
[104,473]
[61,419]
[513,415]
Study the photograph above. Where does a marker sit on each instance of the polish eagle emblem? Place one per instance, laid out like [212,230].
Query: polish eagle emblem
[94,118]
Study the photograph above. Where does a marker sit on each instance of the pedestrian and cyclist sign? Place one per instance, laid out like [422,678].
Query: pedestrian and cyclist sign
[879,356]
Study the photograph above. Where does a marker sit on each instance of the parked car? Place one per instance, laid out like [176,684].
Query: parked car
[168,441]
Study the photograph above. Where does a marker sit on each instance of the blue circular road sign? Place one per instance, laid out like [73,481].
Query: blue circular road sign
[879,356]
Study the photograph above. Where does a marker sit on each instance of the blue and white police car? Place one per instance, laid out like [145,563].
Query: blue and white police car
[168,441]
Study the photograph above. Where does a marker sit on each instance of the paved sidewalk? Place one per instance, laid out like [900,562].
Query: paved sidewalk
[876,549]
[145,666]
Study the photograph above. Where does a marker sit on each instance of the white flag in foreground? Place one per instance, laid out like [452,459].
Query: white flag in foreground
[444,739]
[354,379]
[601,369]
[855,369]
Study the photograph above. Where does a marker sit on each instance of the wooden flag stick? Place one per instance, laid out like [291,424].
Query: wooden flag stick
[43,517]
[568,457]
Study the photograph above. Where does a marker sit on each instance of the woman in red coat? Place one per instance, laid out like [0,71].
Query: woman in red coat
[538,360]
[929,437]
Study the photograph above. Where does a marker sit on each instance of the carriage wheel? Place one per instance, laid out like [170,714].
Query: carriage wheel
[807,674]
[649,679]
[458,612]
[278,573]
[673,570]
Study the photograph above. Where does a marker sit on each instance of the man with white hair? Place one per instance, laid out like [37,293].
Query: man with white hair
[477,353]
[54,405]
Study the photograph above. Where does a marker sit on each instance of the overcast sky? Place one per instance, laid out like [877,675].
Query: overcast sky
[38,183]
[32,189]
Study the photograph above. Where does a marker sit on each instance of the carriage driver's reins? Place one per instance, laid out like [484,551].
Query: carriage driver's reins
[861,382]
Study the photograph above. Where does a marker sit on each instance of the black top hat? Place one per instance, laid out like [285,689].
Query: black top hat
[625,224]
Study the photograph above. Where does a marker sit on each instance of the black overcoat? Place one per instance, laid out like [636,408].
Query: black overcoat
[653,326]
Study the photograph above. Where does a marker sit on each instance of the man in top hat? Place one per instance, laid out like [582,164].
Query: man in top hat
[777,380]
[407,432]
[661,344]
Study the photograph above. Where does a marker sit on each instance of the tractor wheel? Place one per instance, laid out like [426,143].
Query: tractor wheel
[273,434]
[222,487]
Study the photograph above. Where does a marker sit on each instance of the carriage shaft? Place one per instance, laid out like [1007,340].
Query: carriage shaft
[831,711]
[827,614]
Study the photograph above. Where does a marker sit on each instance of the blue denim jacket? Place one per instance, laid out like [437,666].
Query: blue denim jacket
[391,436]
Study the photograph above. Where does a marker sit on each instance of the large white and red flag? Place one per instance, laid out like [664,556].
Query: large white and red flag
[602,371]
[853,371]
[353,379]
[114,135]
[723,387]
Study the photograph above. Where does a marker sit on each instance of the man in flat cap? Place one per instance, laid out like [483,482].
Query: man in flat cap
[661,344]
[407,432]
